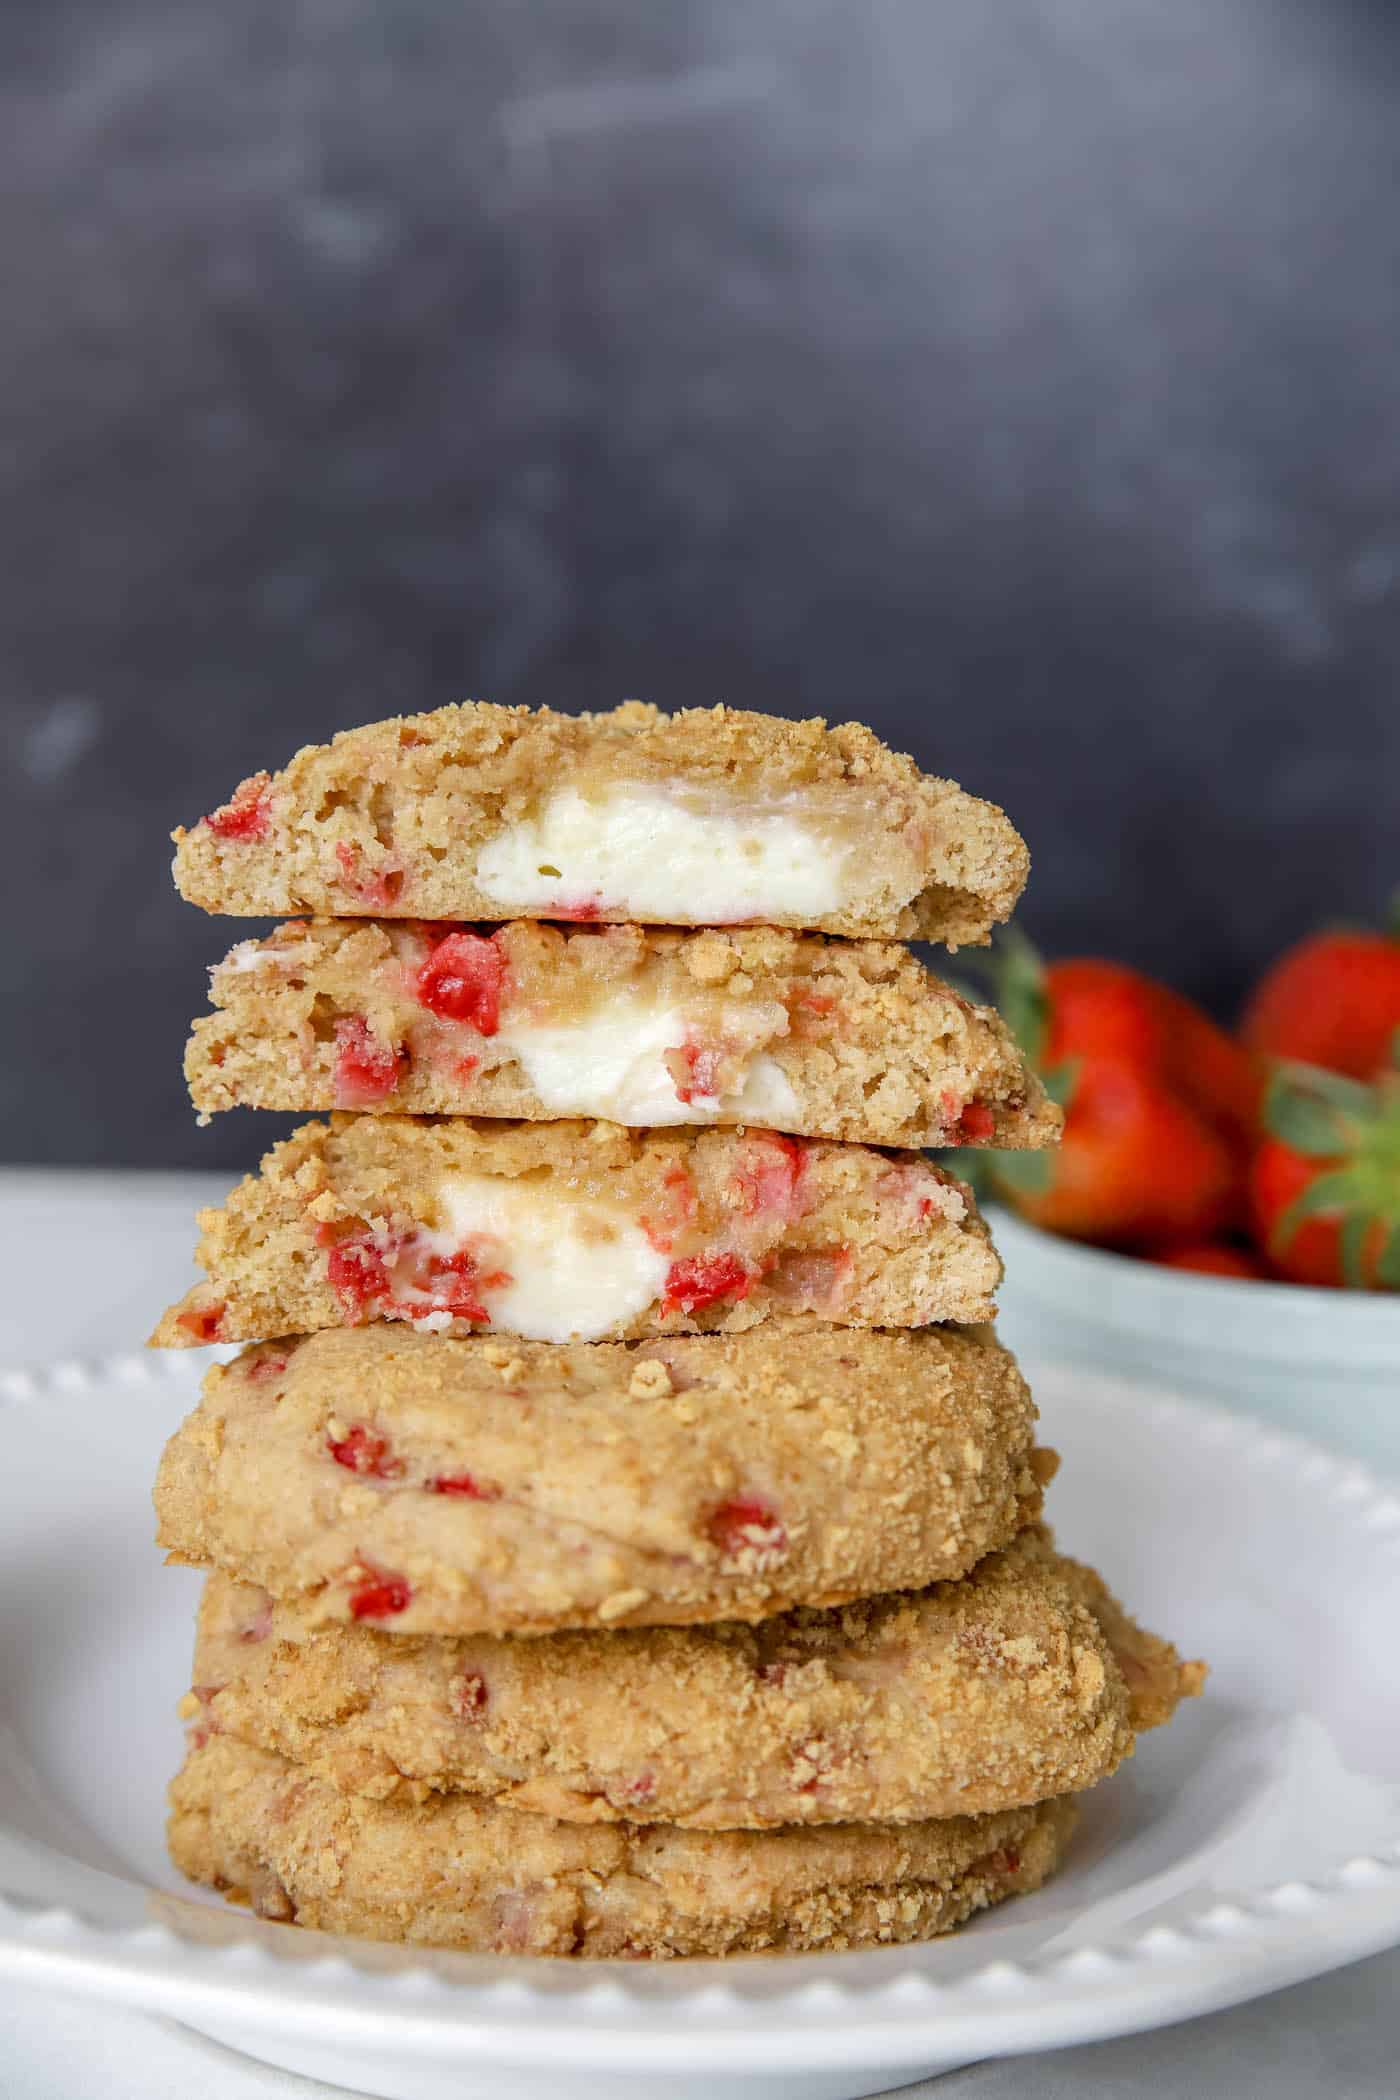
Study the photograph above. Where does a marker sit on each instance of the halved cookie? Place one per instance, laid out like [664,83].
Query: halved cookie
[836,1039]
[702,818]
[581,1232]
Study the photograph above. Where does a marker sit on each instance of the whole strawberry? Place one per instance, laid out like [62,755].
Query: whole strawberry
[1333,1000]
[1324,1186]
[1159,1106]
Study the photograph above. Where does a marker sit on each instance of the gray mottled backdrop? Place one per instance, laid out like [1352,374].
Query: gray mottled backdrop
[1023,378]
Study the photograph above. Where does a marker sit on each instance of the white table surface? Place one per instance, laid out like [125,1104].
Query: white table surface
[89,1260]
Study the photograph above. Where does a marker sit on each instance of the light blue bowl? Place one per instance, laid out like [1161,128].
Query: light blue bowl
[1323,1362]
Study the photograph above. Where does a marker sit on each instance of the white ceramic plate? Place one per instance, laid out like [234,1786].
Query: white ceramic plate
[1254,1843]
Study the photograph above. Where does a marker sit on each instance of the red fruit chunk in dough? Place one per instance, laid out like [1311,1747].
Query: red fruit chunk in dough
[360,1450]
[703,1279]
[380,889]
[454,1283]
[366,1070]
[700,1063]
[467,1486]
[204,1322]
[976,1125]
[768,1178]
[470,1697]
[813,1276]
[381,1598]
[461,981]
[746,1525]
[357,1275]
[582,914]
[245,815]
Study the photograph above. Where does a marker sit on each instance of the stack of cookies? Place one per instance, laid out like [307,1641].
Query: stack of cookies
[623,1528]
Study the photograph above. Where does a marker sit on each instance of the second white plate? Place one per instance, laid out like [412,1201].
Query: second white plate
[1254,1843]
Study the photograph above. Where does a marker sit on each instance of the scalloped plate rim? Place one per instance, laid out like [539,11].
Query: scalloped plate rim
[1278,1934]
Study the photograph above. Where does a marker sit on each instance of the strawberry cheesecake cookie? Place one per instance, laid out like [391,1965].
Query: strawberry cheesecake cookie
[703,818]
[581,1232]
[456,1872]
[1023,1680]
[836,1039]
[424,1485]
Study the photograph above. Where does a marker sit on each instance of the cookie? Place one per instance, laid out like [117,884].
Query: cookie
[836,1039]
[1023,1680]
[703,818]
[456,1872]
[436,1486]
[578,1231]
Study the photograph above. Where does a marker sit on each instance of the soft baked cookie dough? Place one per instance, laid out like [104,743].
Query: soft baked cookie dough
[1025,1679]
[705,817]
[456,1872]
[436,1486]
[640,1025]
[577,1231]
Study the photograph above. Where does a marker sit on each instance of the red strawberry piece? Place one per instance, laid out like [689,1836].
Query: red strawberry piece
[975,1126]
[357,1275]
[746,1525]
[383,1597]
[380,888]
[245,815]
[454,1282]
[640,1789]
[700,1063]
[703,1279]
[467,1486]
[366,1069]
[466,1068]
[265,1367]
[204,1322]
[768,1176]
[816,1276]
[469,1695]
[816,1754]
[362,1450]
[678,1209]
[583,914]
[461,981]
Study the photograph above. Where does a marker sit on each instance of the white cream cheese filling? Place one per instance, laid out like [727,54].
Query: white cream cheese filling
[613,1063]
[642,851]
[576,1268]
